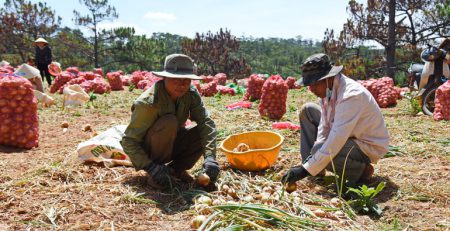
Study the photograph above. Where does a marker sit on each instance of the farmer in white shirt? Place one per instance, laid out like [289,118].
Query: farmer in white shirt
[347,128]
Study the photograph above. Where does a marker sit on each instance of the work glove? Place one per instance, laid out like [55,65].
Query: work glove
[294,174]
[211,168]
[159,173]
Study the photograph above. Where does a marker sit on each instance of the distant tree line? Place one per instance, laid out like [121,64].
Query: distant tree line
[416,23]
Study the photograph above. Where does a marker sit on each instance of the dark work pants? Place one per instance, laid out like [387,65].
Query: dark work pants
[167,142]
[43,69]
[356,160]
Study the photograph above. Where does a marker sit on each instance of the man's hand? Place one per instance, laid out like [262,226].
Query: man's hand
[294,174]
[159,173]
[211,168]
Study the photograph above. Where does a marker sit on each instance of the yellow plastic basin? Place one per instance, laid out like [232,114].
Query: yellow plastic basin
[264,148]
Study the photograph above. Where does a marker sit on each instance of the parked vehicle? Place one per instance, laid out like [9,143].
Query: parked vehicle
[425,78]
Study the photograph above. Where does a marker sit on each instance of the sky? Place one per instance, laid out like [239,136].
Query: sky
[256,18]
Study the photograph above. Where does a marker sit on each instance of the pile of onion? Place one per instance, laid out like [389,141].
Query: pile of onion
[18,113]
[442,102]
[273,98]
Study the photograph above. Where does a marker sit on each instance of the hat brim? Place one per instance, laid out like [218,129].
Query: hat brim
[334,71]
[41,41]
[176,75]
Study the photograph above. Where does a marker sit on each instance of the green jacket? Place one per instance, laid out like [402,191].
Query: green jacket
[154,103]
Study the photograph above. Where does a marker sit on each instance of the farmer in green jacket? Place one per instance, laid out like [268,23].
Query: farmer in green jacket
[156,139]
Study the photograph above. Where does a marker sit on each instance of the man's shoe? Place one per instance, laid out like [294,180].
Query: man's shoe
[368,172]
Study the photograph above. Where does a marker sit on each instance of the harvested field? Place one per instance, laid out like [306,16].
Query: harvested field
[49,188]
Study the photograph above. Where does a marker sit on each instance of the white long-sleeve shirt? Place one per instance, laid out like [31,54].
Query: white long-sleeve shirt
[351,112]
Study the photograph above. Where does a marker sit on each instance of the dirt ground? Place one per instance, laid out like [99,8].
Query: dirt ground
[49,188]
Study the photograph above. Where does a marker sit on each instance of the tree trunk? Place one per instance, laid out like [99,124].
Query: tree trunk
[390,50]
[96,50]
[95,42]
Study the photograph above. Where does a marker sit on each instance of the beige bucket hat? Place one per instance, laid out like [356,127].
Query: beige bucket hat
[178,66]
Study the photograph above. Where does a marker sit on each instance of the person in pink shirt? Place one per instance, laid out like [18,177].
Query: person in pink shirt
[347,128]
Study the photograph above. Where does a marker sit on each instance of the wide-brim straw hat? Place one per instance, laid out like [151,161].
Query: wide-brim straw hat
[41,40]
[178,66]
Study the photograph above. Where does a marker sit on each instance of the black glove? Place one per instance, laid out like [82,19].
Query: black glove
[211,168]
[159,173]
[294,174]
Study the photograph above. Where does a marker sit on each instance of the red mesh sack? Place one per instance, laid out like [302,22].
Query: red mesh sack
[221,78]
[225,90]
[98,71]
[125,80]
[77,80]
[88,86]
[291,82]
[144,84]
[60,80]
[88,75]
[208,79]
[97,85]
[254,87]
[101,86]
[383,91]
[73,70]
[442,102]
[273,98]
[209,89]
[19,125]
[7,69]
[115,81]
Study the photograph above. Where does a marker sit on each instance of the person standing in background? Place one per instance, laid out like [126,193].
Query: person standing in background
[43,57]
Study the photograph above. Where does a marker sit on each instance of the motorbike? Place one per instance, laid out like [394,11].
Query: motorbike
[424,79]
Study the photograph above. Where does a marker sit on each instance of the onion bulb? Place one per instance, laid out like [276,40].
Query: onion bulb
[87,128]
[203,179]
[290,187]
[65,124]
[197,221]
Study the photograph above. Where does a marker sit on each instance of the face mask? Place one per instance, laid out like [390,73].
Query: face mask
[328,92]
